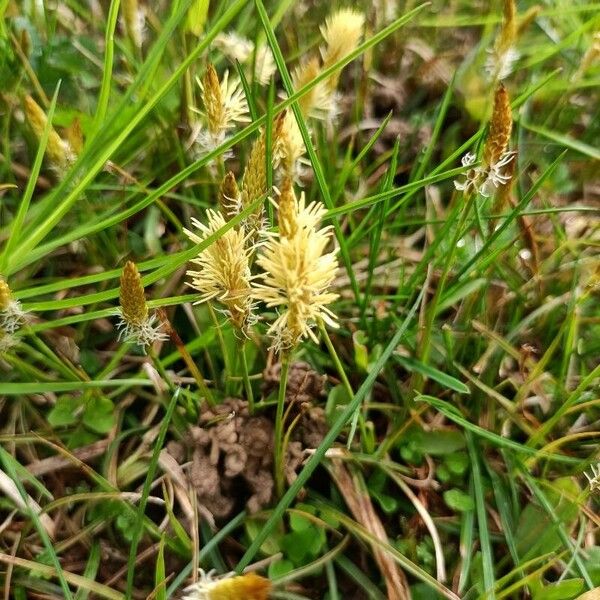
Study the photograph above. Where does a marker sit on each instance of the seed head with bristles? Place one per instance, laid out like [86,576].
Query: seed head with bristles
[229,587]
[224,269]
[136,324]
[58,151]
[12,314]
[342,32]
[297,273]
[500,127]
[491,174]
[224,106]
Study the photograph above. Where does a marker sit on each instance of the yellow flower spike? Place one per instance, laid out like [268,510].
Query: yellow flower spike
[224,269]
[224,105]
[136,325]
[59,151]
[297,274]
[342,32]
[213,100]
[229,587]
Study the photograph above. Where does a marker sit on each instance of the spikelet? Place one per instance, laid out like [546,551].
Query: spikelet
[229,197]
[254,185]
[287,216]
[133,22]
[58,151]
[264,64]
[224,106]
[319,101]
[136,325]
[502,58]
[342,32]
[297,273]
[289,147]
[7,341]
[12,316]
[500,127]
[234,46]
[491,174]
[224,269]
[229,587]
[238,48]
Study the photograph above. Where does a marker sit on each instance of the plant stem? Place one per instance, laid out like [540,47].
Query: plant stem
[159,367]
[246,378]
[228,371]
[340,369]
[279,442]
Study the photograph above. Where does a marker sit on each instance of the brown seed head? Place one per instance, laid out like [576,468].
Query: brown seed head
[229,195]
[131,296]
[500,127]
[213,100]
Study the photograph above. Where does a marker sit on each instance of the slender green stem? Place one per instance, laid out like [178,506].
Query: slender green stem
[358,416]
[225,354]
[160,368]
[279,442]
[246,378]
[417,383]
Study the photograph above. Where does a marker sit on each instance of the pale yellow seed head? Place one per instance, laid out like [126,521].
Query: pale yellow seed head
[223,268]
[287,209]
[57,150]
[297,274]
[241,587]
[342,33]
[132,299]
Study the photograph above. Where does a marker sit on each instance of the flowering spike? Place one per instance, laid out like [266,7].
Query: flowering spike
[229,196]
[229,587]
[59,152]
[342,32]
[224,105]
[131,295]
[224,272]
[136,325]
[297,273]
[500,127]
